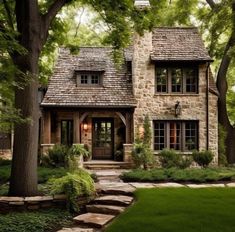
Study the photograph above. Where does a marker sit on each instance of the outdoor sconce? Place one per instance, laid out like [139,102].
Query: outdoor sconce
[85,126]
[177,109]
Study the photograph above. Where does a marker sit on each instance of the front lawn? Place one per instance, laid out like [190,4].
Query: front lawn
[180,175]
[181,209]
[40,221]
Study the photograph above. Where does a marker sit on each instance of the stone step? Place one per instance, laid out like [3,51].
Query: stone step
[105,209]
[106,165]
[120,189]
[119,200]
[93,219]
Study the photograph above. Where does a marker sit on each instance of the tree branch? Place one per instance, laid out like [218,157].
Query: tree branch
[53,10]
[211,3]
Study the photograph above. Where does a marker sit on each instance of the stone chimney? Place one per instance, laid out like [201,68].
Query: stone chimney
[142,47]
[142,68]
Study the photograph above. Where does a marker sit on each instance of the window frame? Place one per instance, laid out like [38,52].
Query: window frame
[182,136]
[69,132]
[169,69]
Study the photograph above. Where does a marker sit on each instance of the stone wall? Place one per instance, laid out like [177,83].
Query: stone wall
[161,106]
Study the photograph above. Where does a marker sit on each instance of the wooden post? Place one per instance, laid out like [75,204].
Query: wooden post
[47,128]
[76,127]
[128,128]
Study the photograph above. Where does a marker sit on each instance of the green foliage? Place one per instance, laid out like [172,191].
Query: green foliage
[147,139]
[203,158]
[44,174]
[40,221]
[169,158]
[4,173]
[56,157]
[180,175]
[78,183]
[142,153]
[222,147]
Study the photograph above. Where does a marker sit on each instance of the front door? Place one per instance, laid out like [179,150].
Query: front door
[102,140]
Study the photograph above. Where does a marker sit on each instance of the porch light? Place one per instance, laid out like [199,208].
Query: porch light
[177,109]
[85,126]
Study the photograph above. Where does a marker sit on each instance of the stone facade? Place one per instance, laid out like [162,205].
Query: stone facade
[162,106]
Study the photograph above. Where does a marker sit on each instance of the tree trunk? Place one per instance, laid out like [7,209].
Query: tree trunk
[33,29]
[24,163]
[23,180]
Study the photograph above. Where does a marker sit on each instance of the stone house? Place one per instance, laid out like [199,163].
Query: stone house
[166,75]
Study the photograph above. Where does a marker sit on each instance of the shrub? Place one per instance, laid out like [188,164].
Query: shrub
[142,155]
[221,146]
[169,158]
[75,184]
[203,158]
[56,156]
[4,162]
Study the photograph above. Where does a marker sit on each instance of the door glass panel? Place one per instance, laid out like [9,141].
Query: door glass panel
[103,134]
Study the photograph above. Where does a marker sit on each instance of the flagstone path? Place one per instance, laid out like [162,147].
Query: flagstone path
[114,197]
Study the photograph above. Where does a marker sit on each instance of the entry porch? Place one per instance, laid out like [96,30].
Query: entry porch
[106,133]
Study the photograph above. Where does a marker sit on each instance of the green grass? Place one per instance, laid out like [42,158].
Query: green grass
[181,209]
[180,175]
[42,220]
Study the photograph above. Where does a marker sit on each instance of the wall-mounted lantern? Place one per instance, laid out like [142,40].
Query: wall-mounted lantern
[85,126]
[178,109]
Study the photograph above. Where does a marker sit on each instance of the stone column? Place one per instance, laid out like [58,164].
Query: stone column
[127,148]
[76,121]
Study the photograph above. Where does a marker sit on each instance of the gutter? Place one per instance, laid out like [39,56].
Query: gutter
[207,106]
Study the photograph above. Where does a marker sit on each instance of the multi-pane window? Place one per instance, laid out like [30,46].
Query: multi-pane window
[178,135]
[176,80]
[67,132]
[93,78]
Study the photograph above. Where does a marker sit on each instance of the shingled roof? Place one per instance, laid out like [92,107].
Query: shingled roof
[178,44]
[116,90]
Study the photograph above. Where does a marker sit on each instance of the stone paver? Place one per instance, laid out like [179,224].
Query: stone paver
[119,189]
[141,185]
[230,185]
[94,219]
[76,229]
[205,185]
[169,185]
[105,209]
[119,200]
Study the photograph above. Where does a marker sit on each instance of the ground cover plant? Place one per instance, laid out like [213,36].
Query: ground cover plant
[36,221]
[196,175]
[179,209]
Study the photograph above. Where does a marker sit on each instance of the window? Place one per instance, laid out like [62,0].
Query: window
[178,135]
[93,78]
[176,80]
[67,132]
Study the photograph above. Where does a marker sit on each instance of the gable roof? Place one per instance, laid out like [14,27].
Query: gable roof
[178,44]
[116,90]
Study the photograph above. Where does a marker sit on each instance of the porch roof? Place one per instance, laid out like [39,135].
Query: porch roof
[115,91]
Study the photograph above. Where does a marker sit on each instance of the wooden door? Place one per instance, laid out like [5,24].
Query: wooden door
[102,131]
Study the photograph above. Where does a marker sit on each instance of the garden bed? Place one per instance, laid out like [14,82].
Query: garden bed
[196,175]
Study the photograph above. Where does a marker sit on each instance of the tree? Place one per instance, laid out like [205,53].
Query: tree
[31,23]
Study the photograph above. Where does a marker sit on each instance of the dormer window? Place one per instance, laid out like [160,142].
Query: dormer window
[89,78]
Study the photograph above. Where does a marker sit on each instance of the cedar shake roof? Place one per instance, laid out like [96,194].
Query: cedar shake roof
[115,91]
[178,44]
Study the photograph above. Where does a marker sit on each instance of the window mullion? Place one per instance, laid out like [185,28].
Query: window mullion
[183,136]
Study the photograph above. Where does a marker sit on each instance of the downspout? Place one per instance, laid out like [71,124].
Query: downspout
[207,106]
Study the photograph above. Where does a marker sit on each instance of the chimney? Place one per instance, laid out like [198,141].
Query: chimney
[141,4]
